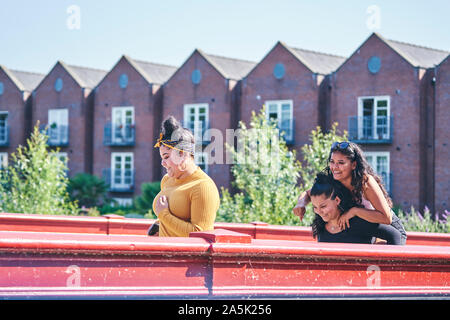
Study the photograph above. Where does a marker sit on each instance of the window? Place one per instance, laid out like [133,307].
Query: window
[123,124]
[374,118]
[379,161]
[122,170]
[3,128]
[201,159]
[282,112]
[58,126]
[196,119]
[3,160]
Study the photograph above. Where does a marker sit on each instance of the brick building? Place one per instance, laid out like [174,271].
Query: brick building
[379,95]
[289,82]
[15,109]
[63,102]
[392,98]
[127,113]
[441,177]
[204,93]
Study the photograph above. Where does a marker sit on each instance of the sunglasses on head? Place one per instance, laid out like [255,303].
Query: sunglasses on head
[340,145]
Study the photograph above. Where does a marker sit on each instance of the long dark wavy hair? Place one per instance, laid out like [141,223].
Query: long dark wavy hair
[360,175]
[324,184]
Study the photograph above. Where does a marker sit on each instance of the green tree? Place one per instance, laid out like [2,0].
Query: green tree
[36,180]
[265,173]
[144,202]
[89,190]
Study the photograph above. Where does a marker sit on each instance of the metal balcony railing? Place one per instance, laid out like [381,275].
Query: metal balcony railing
[287,127]
[4,136]
[199,129]
[58,135]
[119,180]
[371,130]
[119,135]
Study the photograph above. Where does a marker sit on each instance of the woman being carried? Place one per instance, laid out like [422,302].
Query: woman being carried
[330,199]
[347,164]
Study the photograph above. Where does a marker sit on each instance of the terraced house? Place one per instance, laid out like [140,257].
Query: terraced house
[379,94]
[127,114]
[393,98]
[63,105]
[205,94]
[15,109]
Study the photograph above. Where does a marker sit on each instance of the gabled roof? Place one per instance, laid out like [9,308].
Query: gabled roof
[86,77]
[24,80]
[152,72]
[416,55]
[229,68]
[317,62]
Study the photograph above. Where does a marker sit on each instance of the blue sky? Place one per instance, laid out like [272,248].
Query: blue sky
[35,34]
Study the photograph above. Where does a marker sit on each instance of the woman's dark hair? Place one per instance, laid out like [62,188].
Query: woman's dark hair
[360,175]
[172,129]
[324,184]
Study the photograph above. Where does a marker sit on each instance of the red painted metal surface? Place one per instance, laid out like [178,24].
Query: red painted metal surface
[118,225]
[220,263]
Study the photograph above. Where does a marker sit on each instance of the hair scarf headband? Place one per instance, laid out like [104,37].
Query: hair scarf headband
[185,146]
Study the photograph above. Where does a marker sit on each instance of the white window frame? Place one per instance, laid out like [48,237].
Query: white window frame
[197,129]
[60,117]
[121,121]
[200,155]
[279,104]
[373,163]
[374,116]
[4,127]
[3,160]
[122,184]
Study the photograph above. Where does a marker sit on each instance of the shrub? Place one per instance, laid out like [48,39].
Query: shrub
[36,180]
[265,173]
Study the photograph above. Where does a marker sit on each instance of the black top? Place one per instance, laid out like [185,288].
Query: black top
[362,231]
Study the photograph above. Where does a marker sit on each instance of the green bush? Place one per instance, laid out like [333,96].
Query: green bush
[36,181]
[144,202]
[89,190]
[265,173]
[416,221]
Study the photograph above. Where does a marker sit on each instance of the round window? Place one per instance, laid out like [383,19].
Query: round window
[279,71]
[374,64]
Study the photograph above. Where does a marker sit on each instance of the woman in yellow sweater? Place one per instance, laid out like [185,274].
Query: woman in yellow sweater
[189,199]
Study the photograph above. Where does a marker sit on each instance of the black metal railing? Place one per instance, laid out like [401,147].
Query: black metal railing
[370,130]
[119,135]
[58,135]
[4,136]
[119,180]
[199,129]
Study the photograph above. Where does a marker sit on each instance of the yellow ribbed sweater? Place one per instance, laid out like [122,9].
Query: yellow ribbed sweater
[193,203]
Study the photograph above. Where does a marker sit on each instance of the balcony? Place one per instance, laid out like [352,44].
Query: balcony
[287,127]
[58,135]
[4,136]
[199,129]
[119,180]
[371,130]
[119,135]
